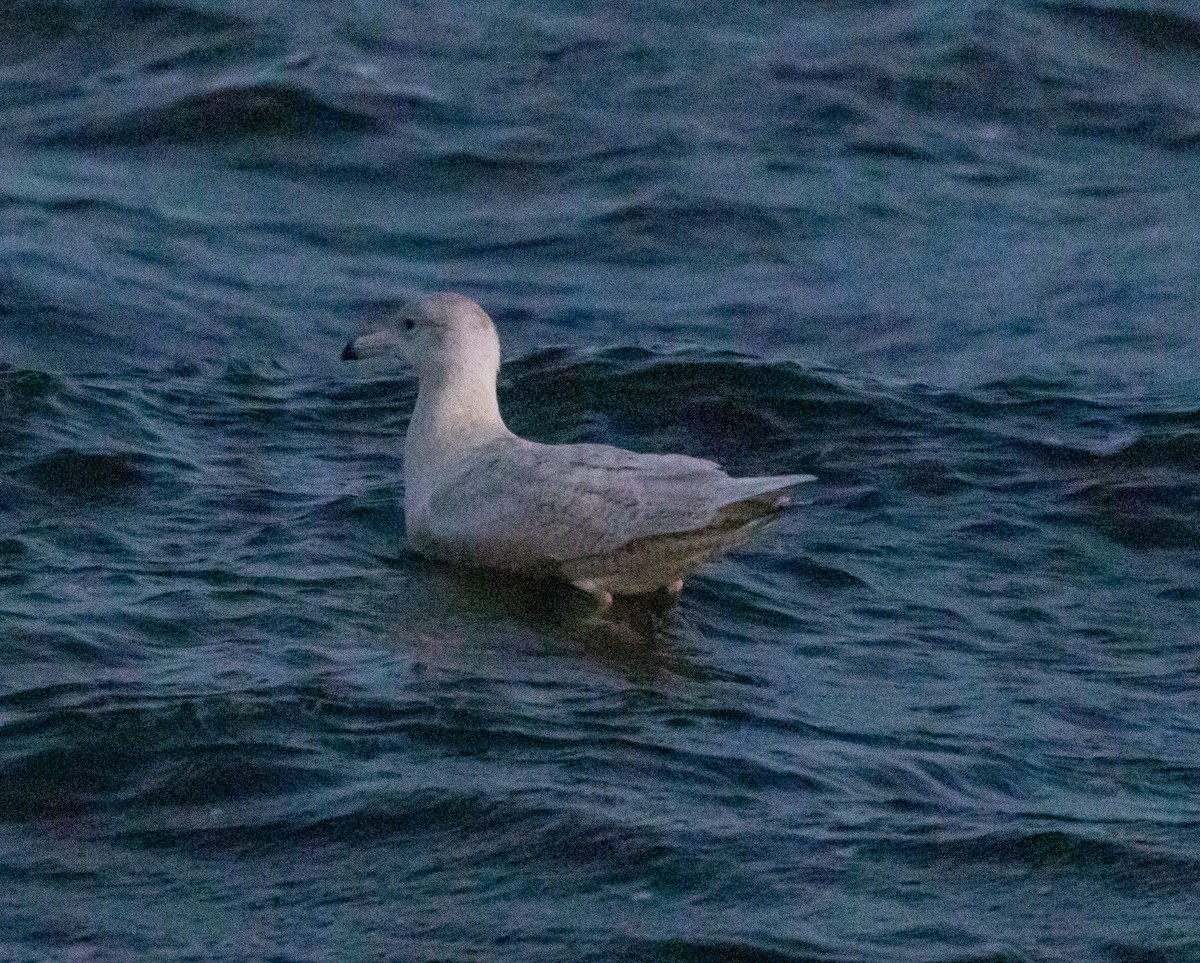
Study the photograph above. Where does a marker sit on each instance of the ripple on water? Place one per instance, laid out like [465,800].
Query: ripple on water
[86,475]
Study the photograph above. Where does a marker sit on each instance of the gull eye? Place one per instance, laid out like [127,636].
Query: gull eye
[409,324]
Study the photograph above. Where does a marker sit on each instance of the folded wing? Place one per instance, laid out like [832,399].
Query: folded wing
[528,506]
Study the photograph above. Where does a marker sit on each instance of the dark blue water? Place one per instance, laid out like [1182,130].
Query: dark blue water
[942,255]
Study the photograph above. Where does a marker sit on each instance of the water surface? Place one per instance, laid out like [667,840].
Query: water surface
[942,256]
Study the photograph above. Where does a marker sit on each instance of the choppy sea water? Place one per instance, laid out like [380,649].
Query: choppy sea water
[943,256]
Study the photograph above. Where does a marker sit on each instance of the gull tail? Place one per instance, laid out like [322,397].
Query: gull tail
[771,491]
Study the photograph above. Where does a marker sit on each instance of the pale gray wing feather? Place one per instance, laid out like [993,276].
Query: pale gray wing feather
[523,503]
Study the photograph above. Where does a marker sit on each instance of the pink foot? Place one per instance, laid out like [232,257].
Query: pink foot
[675,587]
[599,594]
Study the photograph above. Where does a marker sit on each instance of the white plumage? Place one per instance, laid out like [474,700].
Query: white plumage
[607,520]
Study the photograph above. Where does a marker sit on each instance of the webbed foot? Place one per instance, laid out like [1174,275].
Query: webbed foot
[600,595]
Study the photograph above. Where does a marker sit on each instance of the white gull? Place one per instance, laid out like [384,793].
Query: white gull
[608,521]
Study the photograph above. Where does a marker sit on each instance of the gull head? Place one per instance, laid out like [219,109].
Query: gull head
[439,335]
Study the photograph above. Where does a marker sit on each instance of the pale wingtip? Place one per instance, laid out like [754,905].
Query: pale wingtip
[784,482]
[790,481]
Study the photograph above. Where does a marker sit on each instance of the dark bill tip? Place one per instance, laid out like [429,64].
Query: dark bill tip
[348,352]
